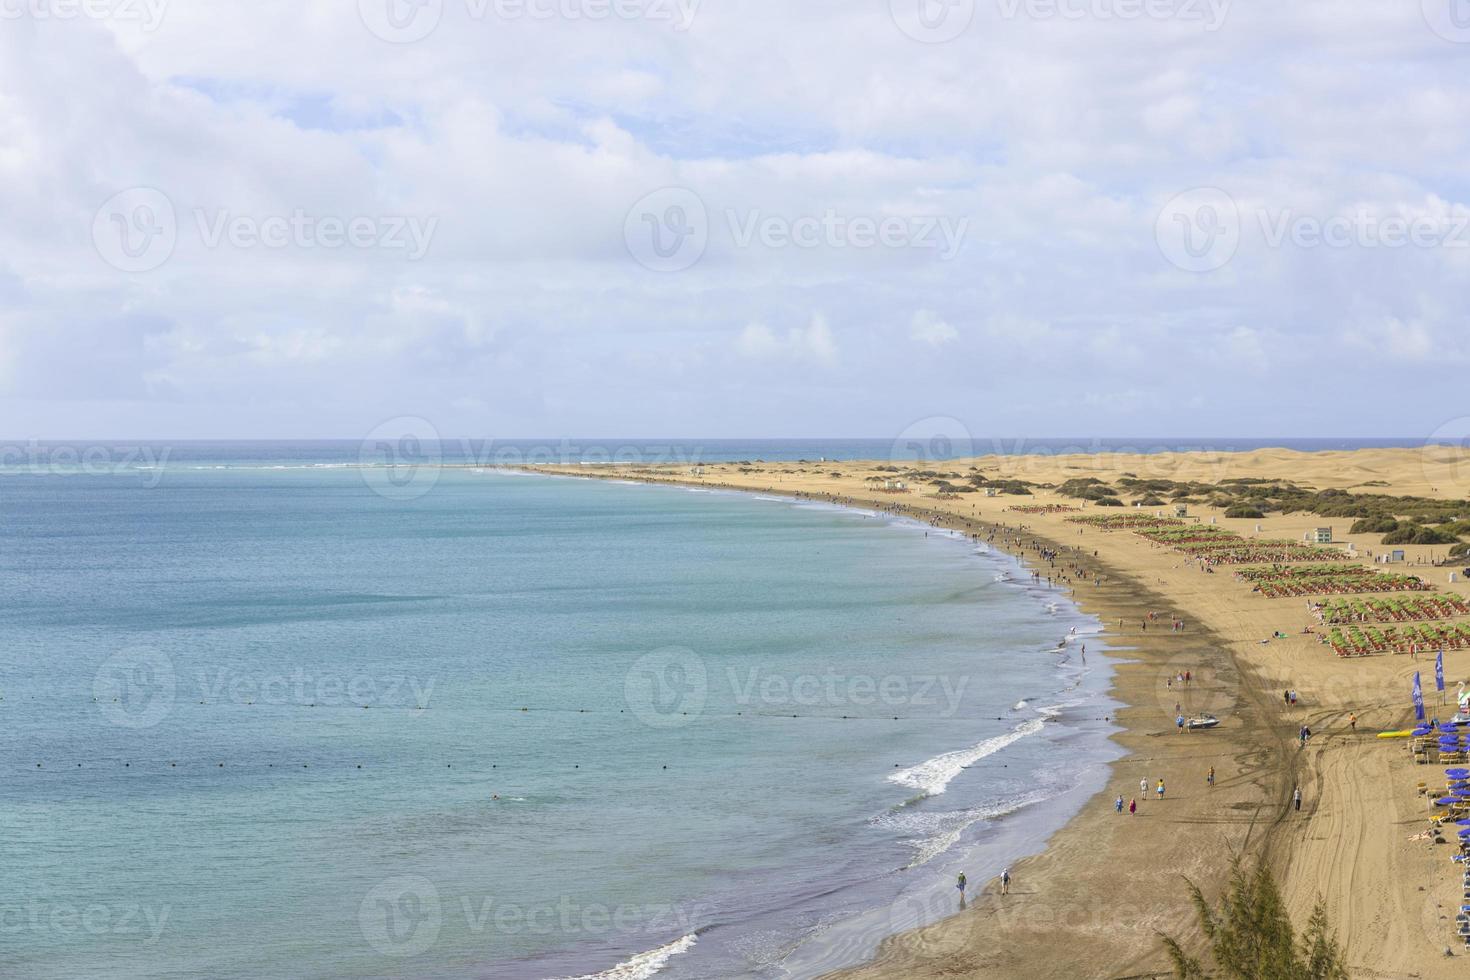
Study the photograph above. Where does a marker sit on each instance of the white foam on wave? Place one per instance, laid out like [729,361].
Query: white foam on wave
[931,834]
[643,965]
[933,776]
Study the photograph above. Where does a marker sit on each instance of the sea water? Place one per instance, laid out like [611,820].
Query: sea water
[278,719]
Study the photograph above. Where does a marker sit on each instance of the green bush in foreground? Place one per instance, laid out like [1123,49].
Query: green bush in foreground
[1251,937]
[1244,510]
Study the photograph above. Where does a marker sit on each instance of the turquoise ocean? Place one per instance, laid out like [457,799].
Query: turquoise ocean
[271,713]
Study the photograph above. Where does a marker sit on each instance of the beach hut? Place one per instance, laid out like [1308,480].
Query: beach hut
[1322,535]
[992,492]
[1181,510]
[696,471]
[895,485]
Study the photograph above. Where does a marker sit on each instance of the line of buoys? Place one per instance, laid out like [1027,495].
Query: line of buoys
[173,764]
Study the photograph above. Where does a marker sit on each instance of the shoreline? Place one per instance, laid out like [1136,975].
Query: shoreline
[1022,934]
[853,940]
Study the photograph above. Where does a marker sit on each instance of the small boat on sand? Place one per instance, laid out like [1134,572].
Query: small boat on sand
[1202,721]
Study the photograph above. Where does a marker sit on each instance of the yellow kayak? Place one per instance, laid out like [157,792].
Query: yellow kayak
[1403,734]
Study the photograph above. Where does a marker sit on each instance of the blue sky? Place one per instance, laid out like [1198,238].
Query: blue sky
[670,217]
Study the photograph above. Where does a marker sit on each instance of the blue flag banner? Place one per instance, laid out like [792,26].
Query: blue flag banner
[1418,698]
[1439,672]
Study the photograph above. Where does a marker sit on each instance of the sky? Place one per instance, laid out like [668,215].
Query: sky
[691,218]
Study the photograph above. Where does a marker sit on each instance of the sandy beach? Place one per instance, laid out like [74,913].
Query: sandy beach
[1095,901]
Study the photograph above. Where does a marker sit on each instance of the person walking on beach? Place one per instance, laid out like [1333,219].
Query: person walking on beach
[1296,798]
[1132,807]
[1161,789]
[960,884]
[1210,777]
[1005,881]
[1118,804]
[1143,787]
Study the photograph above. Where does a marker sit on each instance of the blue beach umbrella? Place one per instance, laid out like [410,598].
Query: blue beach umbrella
[1458,773]
[1446,800]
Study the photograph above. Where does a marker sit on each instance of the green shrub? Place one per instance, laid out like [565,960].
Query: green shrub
[1244,510]
[1251,936]
[1460,551]
[1414,534]
[1374,525]
[1109,502]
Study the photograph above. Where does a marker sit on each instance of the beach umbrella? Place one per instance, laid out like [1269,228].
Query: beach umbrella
[1446,800]
[1463,823]
[1458,773]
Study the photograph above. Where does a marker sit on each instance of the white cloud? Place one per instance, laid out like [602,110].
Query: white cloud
[926,327]
[813,343]
[529,140]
